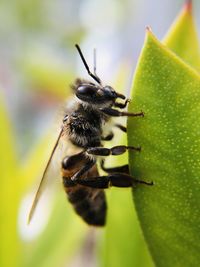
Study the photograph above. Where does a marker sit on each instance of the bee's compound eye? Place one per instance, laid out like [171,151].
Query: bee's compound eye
[86,92]
[109,92]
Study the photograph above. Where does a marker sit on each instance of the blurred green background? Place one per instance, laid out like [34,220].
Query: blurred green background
[38,63]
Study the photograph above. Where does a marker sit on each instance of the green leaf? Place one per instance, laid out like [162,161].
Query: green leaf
[182,37]
[124,244]
[167,90]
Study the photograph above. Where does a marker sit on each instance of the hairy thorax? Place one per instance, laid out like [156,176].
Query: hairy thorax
[84,126]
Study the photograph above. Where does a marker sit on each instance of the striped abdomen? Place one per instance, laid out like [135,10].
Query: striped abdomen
[89,203]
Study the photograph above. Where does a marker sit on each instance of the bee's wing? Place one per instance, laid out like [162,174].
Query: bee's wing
[43,180]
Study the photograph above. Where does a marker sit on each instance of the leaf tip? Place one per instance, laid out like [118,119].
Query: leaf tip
[188,6]
[149,33]
[148,29]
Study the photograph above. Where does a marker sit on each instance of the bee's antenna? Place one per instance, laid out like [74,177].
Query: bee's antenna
[94,76]
[95,61]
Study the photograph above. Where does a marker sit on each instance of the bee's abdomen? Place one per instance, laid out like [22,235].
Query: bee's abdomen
[89,204]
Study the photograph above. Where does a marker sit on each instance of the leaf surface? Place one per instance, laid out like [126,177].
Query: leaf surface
[168,91]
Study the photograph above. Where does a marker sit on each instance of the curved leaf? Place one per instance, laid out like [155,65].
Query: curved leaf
[168,91]
[130,249]
[182,37]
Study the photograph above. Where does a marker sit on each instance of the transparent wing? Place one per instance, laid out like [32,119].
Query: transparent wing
[44,179]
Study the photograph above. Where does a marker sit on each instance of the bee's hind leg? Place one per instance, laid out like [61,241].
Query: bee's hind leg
[118,176]
[114,179]
[122,171]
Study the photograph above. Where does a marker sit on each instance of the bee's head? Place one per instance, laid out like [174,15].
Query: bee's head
[97,95]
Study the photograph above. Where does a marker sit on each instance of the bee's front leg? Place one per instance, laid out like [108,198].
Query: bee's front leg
[122,105]
[116,113]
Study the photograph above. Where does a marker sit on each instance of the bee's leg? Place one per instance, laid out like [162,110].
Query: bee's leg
[122,105]
[73,162]
[121,127]
[79,163]
[88,165]
[116,113]
[114,179]
[108,137]
[121,169]
[116,150]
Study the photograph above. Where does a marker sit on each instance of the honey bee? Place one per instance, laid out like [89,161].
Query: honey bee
[83,128]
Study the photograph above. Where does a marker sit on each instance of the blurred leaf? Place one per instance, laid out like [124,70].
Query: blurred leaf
[65,231]
[61,239]
[30,13]
[47,73]
[8,193]
[124,243]
[168,91]
[34,164]
[182,37]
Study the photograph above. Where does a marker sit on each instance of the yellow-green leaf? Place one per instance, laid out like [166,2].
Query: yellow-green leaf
[182,37]
[168,91]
